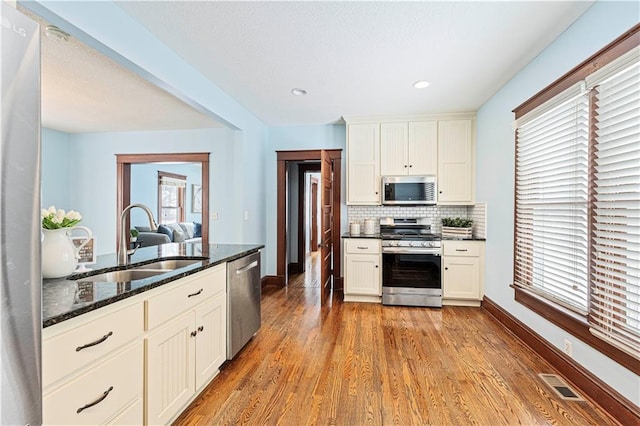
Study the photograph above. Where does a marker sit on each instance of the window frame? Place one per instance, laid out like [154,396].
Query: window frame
[571,322]
[182,202]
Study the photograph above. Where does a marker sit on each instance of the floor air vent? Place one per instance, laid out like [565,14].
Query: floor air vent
[560,387]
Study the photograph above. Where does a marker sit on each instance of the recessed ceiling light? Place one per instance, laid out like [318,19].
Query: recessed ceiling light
[421,84]
[55,32]
[298,92]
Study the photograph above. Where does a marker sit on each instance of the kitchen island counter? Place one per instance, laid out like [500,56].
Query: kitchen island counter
[64,298]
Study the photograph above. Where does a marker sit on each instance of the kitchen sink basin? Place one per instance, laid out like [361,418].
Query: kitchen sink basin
[125,275]
[169,265]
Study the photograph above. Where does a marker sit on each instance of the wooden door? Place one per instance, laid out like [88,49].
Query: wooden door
[326,224]
[314,215]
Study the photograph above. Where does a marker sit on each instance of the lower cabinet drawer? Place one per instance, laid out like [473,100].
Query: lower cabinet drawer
[132,415]
[94,337]
[458,248]
[187,293]
[362,246]
[97,396]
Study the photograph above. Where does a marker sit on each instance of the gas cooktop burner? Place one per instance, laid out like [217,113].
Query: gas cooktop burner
[409,229]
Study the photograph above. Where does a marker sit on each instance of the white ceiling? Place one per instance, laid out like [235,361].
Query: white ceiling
[83,91]
[354,59]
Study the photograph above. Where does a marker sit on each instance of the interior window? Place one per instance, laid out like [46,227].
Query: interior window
[171,197]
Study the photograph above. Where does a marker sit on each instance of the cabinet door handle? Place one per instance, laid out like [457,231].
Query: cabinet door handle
[196,293]
[376,266]
[462,249]
[201,328]
[405,166]
[97,401]
[361,248]
[446,269]
[410,165]
[194,333]
[439,192]
[97,342]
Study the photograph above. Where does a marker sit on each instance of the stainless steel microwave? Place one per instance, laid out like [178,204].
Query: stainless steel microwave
[409,190]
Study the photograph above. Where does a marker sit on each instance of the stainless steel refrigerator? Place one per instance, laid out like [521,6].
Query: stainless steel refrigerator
[20,279]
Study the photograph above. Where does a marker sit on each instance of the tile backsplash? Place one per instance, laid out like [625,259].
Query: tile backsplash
[435,213]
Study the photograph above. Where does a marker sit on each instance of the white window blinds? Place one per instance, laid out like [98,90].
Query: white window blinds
[615,250]
[551,240]
[170,181]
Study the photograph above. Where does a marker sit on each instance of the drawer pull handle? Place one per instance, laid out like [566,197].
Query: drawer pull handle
[362,248]
[462,250]
[194,333]
[97,342]
[196,293]
[201,328]
[97,401]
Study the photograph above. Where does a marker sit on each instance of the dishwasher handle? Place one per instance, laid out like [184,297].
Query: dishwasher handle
[246,268]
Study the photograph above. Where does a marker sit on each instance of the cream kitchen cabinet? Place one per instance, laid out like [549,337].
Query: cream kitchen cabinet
[362,270]
[186,342]
[408,148]
[92,367]
[456,162]
[463,272]
[363,164]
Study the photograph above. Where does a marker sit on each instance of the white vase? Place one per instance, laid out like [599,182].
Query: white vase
[59,254]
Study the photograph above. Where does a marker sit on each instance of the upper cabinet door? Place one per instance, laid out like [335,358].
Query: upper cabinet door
[456,162]
[363,164]
[394,159]
[423,148]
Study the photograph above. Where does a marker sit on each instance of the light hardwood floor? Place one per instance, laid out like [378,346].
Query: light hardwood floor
[367,364]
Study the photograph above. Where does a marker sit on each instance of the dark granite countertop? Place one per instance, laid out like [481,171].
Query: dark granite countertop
[463,239]
[63,299]
[375,236]
[379,237]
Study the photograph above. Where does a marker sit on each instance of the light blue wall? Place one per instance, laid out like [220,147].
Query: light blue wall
[95,176]
[298,138]
[103,23]
[600,25]
[56,170]
[144,189]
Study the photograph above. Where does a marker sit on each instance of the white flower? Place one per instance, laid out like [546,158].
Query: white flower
[52,209]
[59,217]
[73,215]
[44,213]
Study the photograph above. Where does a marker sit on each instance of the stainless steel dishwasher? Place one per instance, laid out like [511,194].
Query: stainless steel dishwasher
[243,301]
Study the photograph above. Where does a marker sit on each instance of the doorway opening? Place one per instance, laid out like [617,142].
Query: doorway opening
[329,258]
[303,222]
[124,163]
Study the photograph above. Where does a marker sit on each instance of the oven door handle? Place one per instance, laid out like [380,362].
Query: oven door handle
[412,250]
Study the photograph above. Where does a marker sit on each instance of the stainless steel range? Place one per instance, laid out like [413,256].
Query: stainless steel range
[411,262]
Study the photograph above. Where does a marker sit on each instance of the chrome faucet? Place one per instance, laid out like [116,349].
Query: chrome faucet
[123,251]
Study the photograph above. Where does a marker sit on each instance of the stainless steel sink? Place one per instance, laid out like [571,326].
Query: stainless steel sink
[169,265]
[125,275]
[141,272]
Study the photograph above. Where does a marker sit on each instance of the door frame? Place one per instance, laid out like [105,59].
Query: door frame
[303,169]
[313,214]
[123,189]
[283,157]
